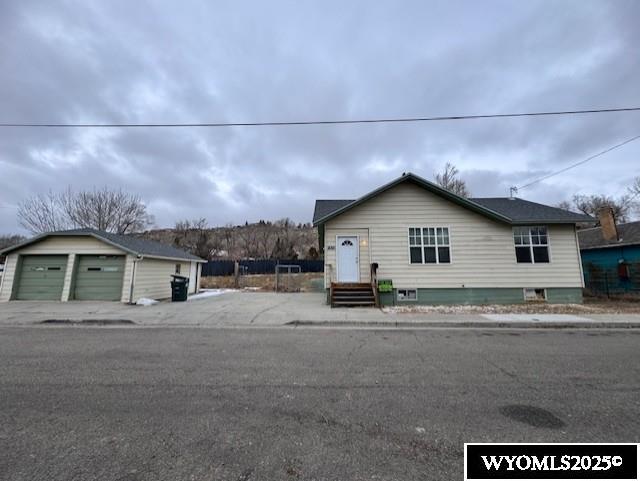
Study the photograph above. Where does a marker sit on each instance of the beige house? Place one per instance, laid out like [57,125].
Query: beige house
[87,264]
[411,241]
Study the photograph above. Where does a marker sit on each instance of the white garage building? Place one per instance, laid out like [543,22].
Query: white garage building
[87,264]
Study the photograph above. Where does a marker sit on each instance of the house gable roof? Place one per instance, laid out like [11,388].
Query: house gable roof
[629,234]
[128,243]
[502,209]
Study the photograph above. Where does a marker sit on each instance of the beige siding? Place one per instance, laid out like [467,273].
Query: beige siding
[8,276]
[193,274]
[68,274]
[482,251]
[153,278]
[70,244]
[126,279]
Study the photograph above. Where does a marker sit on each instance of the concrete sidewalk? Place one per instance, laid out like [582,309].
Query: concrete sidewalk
[270,309]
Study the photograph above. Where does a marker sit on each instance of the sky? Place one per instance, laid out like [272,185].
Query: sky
[241,61]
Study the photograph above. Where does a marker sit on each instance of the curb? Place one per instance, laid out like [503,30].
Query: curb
[475,324]
[88,322]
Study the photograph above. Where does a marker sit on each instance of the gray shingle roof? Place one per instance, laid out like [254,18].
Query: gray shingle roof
[326,207]
[132,244]
[502,209]
[520,210]
[628,233]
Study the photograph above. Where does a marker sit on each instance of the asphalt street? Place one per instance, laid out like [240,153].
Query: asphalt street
[84,403]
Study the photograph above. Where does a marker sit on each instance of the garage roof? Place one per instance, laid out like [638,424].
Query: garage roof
[128,243]
[510,210]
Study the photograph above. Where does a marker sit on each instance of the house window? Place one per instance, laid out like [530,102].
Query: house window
[177,268]
[429,245]
[407,295]
[532,244]
[535,295]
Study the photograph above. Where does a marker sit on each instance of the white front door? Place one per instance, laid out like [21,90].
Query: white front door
[347,256]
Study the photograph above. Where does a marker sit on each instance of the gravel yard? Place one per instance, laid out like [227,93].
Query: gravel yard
[590,306]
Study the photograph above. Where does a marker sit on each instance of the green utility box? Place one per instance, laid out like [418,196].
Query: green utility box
[385,285]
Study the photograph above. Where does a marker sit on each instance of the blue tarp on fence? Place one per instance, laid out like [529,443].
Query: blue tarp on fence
[259,266]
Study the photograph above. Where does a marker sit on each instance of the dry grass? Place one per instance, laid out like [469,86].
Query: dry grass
[264,282]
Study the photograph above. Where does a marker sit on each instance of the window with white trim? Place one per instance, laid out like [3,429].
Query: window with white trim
[407,294]
[532,244]
[429,245]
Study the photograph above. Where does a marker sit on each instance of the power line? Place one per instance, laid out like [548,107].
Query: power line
[584,161]
[320,122]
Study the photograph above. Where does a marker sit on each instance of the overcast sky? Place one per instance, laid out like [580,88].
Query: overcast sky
[210,61]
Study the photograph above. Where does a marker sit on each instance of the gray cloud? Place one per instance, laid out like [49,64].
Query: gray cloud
[120,61]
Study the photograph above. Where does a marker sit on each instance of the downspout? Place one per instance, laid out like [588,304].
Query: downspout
[133,277]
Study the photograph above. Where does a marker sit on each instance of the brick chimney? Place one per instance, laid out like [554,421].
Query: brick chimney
[607,224]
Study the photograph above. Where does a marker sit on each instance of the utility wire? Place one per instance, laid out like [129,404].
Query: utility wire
[569,167]
[321,122]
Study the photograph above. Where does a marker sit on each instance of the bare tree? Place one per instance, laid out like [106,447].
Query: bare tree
[565,204]
[103,209]
[591,204]
[195,237]
[248,237]
[9,240]
[634,196]
[43,213]
[266,239]
[448,179]
[635,187]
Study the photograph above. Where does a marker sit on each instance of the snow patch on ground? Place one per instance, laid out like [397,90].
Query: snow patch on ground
[145,301]
[210,293]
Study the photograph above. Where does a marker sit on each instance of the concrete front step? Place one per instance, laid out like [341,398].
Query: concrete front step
[352,304]
[352,295]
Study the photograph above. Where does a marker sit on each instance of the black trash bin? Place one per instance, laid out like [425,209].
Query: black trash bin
[179,288]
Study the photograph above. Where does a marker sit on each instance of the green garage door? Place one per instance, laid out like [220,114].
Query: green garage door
[41,278]
[98,278]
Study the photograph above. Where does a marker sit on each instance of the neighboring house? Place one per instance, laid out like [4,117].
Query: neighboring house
[611,256]
[435,247]
[87,264]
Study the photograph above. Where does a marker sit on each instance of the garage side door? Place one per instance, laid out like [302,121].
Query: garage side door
[41,278]
[98,278]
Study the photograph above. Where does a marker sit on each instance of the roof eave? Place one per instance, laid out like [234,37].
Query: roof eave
[610,246]
[179,259]
[550,221]
[20,245]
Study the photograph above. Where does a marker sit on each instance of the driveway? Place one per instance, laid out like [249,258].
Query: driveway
[247,308]
[228,309]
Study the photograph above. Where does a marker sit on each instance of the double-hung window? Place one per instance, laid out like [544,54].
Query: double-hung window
[429,245]
[532,244]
